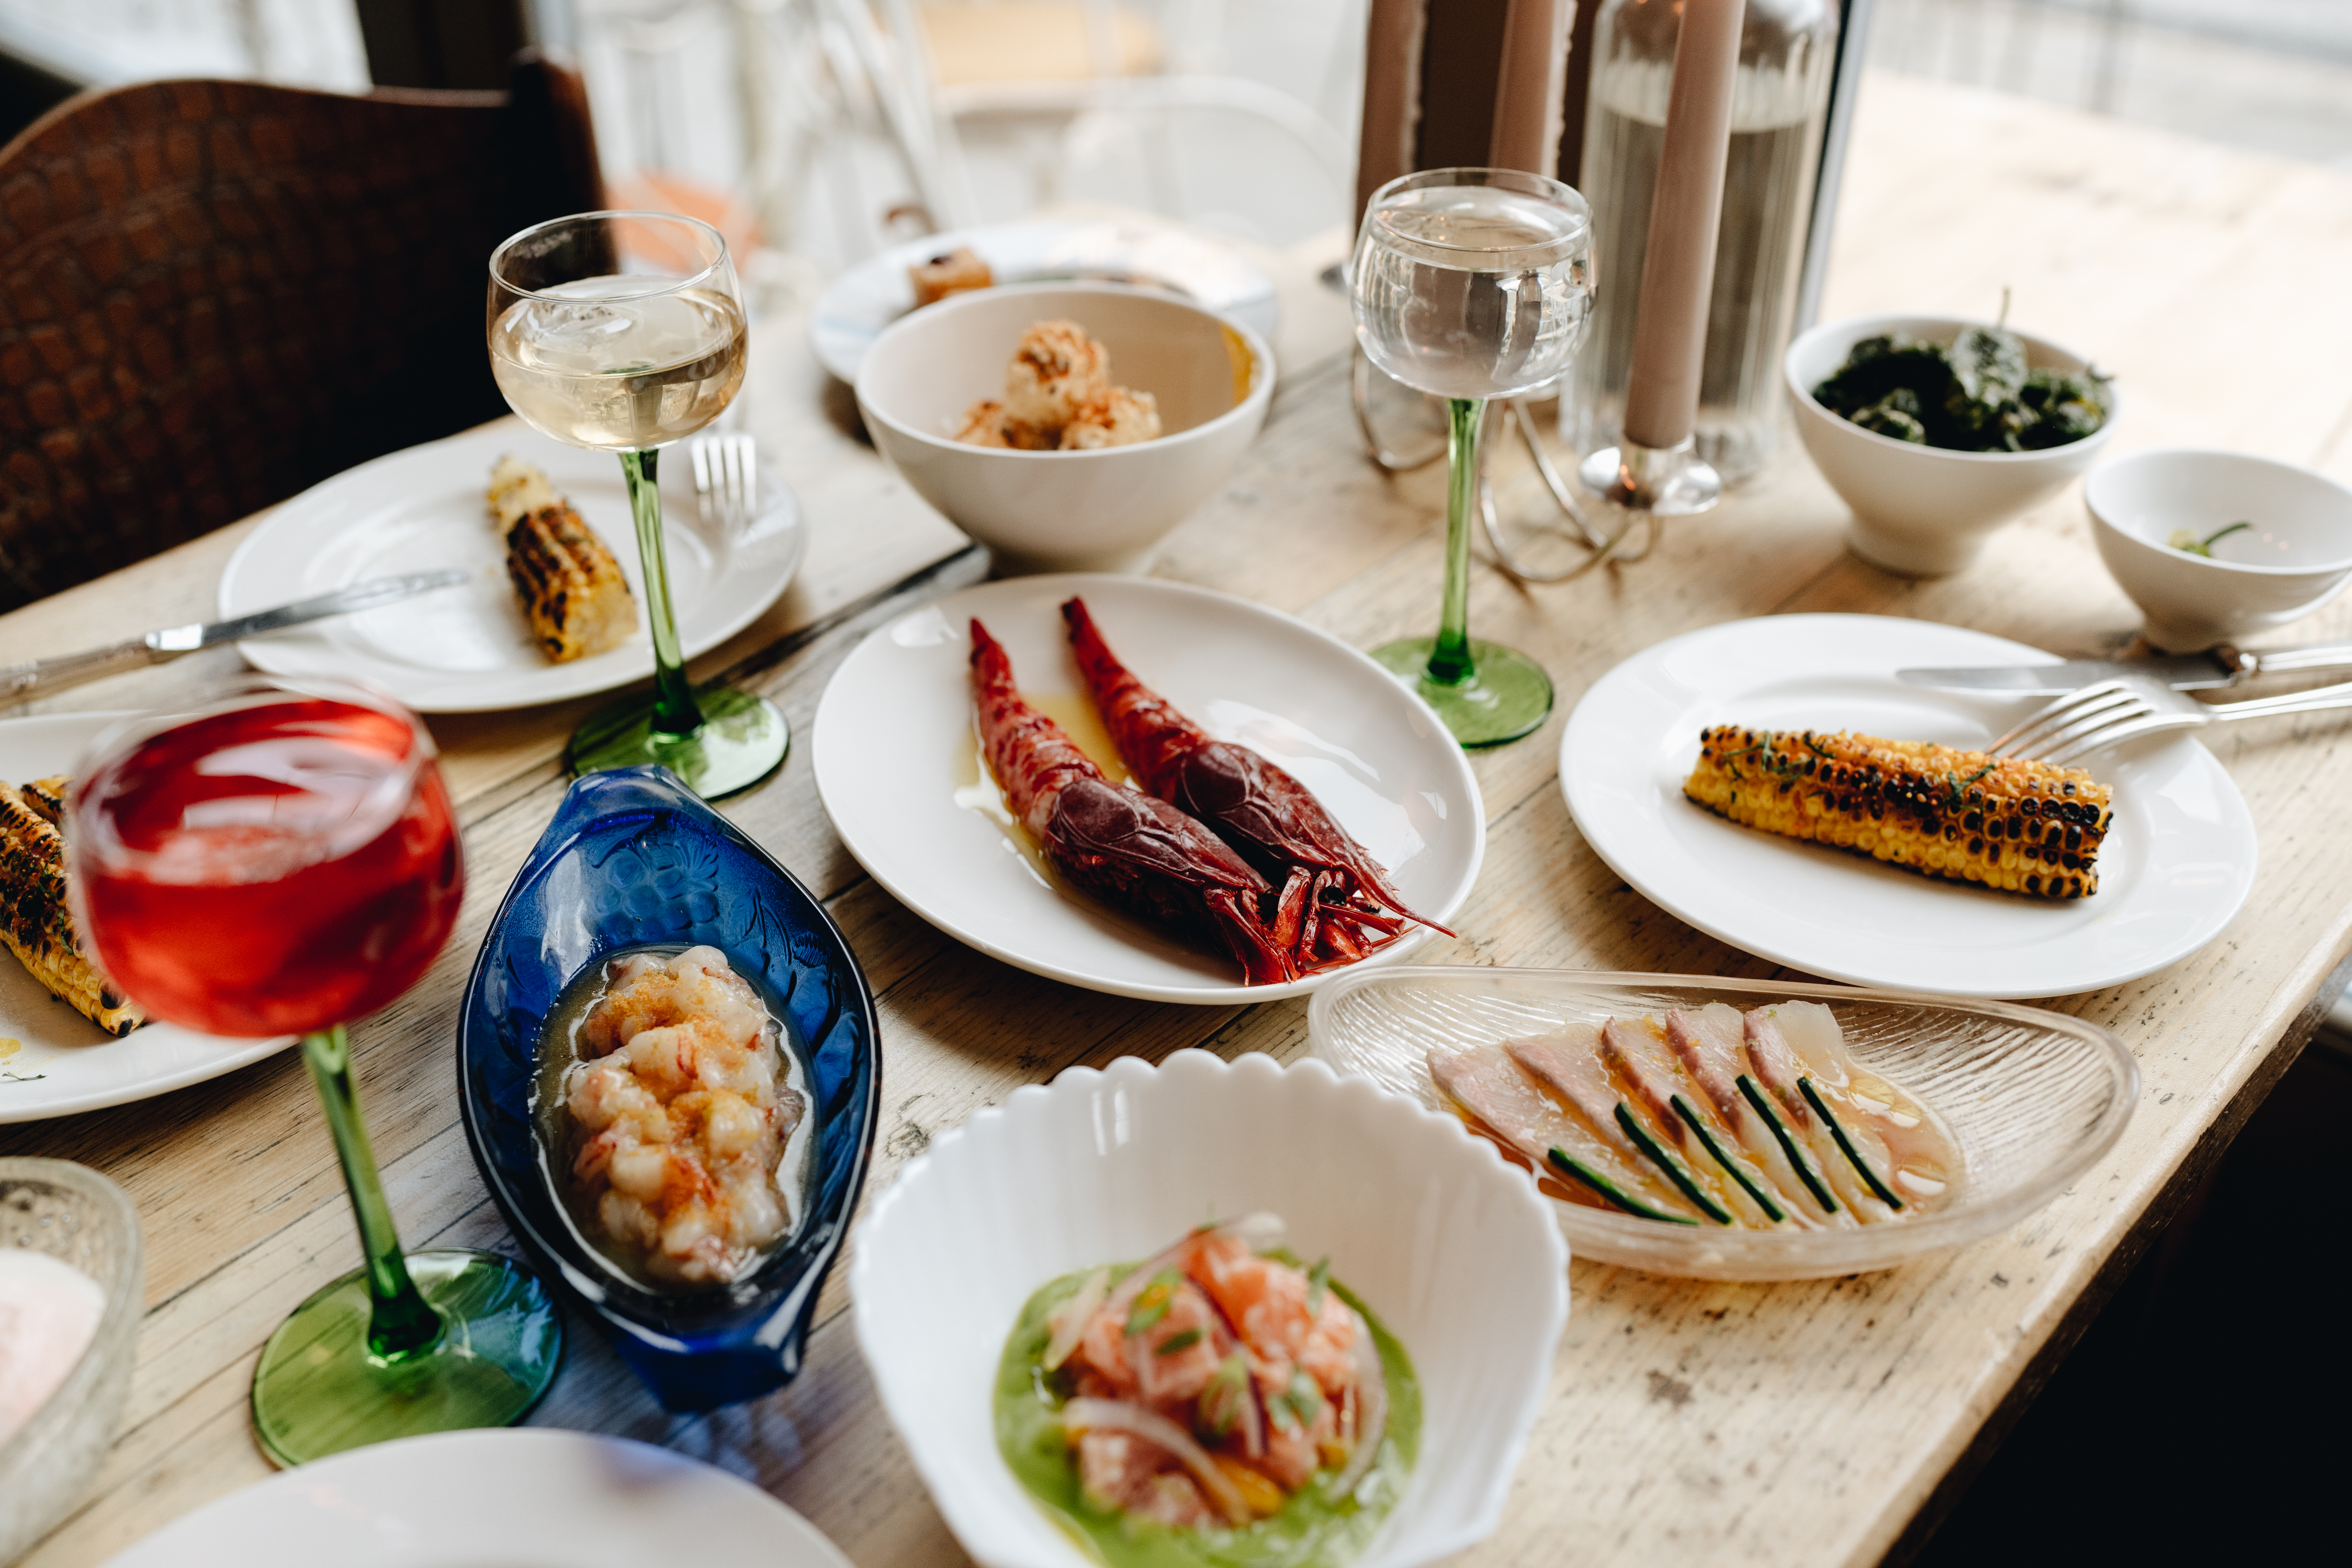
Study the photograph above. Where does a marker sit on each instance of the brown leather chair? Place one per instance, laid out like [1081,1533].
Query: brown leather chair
[214,294]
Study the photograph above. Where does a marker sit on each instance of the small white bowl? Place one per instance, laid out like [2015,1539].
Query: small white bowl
[1445,1243]
[1101,511]
[1923,510]
[2296,557]
[71,1213]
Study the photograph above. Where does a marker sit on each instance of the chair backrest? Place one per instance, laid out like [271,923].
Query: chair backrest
[214,294]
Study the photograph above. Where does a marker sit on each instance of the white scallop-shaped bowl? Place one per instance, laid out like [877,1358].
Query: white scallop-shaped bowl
[1448,1246]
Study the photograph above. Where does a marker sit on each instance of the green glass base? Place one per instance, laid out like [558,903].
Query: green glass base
[1507,697]
[743,739]
[318,1392]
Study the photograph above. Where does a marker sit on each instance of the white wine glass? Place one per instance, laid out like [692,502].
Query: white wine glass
[623,333]
[1469,285]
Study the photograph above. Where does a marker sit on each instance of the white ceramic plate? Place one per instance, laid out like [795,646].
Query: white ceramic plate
[2176,866]
[870,296]
[468,650]
[464,1500]
[894,743]
[1447,1245]
[62,1062]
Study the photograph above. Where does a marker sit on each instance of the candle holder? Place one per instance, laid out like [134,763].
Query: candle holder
[1665,481]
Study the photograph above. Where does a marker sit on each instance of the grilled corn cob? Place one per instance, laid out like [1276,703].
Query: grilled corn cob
[572,589]
[34,919]
[47,799]
[2023,828]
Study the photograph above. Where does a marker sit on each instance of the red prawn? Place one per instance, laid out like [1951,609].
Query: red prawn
[1336,903]
[1132,851]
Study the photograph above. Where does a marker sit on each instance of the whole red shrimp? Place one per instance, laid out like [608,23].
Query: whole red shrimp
[1336,903]
[1123,847]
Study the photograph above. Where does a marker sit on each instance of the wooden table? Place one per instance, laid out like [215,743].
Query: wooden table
[1687,1422]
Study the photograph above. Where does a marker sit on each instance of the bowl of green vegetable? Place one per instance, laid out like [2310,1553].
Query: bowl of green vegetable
[2218,546]
[1937,431]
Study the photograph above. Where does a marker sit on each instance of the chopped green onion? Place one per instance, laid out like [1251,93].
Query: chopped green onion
[1788,1145]
[1179,1343]
[1845,1144]
[1611,1192]
[1707,1142]
[1318,1279]
[1152,1303]
[1666,1162]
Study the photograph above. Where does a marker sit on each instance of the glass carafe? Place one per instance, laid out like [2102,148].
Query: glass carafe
[1788,49]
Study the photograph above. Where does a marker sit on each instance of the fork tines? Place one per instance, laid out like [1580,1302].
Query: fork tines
[2071,717]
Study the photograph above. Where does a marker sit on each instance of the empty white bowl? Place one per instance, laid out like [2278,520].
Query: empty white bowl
[1101,511]
[1447,1245]
[1922,511]
[2296,557]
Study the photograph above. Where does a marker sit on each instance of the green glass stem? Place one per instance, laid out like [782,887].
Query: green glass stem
[1450,663]
[674,711]
[400,1325]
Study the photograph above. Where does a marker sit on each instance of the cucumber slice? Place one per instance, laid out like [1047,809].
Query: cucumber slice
[1788,1145]
[1707,1142]
[1845,1144]
[1667,1162]
[1611,1192]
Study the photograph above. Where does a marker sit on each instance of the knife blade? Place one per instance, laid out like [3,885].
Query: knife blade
[20,682]
[2213,668]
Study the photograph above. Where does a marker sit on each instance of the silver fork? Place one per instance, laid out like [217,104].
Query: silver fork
[2108,712]
[726,480]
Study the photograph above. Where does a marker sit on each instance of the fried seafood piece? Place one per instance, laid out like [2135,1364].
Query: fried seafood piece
[1334,902]
[34,919]
[682,1122]
[2020,827]
[1118,418]
[1126,849]
[951,272]
[1056,371]
[986,425]
[565,575]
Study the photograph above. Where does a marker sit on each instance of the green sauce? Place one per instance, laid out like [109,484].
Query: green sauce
[1311,1530]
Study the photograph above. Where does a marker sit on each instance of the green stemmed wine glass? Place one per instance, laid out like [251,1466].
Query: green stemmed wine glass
[1472,284]
[280,861]
[623,333]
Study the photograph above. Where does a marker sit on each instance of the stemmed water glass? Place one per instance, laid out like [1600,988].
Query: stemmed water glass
[623,333]
[283,860]
[1472,284]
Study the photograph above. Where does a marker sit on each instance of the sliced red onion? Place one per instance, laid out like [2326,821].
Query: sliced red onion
[1070,1327]
[1372,1412]
[1258,1231]
[1118,1415]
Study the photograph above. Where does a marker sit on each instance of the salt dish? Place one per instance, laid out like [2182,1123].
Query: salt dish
[2295,557]
[1425,1224]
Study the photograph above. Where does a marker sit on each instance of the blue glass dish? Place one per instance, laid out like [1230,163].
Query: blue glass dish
[632,858]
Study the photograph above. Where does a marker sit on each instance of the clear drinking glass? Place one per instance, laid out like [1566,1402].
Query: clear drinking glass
[622,333]
[281,860]
[1472,284]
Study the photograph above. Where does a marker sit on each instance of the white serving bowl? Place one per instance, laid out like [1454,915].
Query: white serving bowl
[2296,557]
[71,1213]
[1102,511]
[1446,1244]
[1922,511]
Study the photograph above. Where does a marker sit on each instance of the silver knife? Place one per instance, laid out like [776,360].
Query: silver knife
[2216,666]
[20,682]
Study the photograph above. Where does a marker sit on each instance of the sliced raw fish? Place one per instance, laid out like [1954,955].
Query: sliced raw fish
[1637,1052]
[1785,1072]
[1910,1143]
[1489,1086]
[1708,1044]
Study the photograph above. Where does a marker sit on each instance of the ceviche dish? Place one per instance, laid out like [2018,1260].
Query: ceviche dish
[1219,1403]
[671,1118]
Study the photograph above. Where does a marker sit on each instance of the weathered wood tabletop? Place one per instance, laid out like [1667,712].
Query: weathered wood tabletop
[1686,1422]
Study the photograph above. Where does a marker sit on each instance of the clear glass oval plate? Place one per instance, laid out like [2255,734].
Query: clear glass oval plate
[2033,1098]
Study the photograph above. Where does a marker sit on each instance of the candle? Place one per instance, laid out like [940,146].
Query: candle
[1390,137]
[48,1314]
[1531,86]
[1670,321]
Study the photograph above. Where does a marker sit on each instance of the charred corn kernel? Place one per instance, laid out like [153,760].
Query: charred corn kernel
[34,919]
[2025,827]
[570,587]
[1258,1490]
